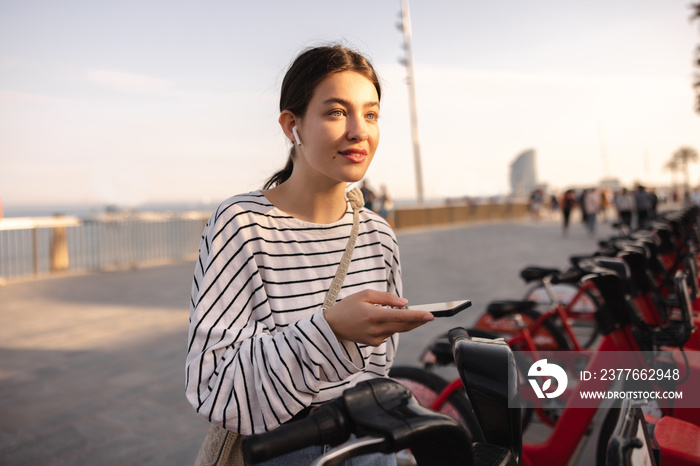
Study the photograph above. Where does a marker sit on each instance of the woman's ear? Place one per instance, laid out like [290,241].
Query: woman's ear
[288,121]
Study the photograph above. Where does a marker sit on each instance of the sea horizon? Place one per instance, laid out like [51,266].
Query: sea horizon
[90,210]
[94,209]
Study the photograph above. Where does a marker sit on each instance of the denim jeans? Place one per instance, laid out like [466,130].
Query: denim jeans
[590,223]
[308,455]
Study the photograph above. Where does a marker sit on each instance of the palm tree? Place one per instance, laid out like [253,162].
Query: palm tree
[695,7]
[684,156]
[672,166]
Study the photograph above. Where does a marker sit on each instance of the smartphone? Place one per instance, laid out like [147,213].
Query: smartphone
[446,309]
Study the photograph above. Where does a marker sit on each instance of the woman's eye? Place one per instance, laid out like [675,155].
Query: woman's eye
[336,113]
[372,116]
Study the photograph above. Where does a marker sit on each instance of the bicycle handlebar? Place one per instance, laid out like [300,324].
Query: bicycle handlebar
[327,425]
[380,408]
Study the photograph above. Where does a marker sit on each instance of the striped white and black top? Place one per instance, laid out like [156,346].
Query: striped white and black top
[259,349]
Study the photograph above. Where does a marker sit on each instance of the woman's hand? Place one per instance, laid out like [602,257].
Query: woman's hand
[362,318]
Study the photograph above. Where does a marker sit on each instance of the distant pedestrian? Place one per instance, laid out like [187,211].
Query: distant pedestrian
[553,205]
[653,204]
[591,204]
[536,204]
[385,204]
[695,196]
[568,202]
[605,203]
[581,203]
[368,194]
[642,201]
[624,203]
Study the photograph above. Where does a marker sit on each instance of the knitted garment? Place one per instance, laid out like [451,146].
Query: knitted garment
[356,201]
[259,349]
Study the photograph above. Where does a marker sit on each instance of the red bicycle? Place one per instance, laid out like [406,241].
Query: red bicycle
[619,327]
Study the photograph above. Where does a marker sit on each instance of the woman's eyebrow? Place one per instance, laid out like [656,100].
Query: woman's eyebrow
[338,100]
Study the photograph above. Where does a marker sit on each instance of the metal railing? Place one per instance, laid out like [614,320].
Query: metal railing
[34,247]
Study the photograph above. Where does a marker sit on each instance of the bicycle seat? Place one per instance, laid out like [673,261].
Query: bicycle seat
[534,273]
[490,377]
[500,309]
[615,311]
[620,268]
[653,246]
[611,242]
[577,259]
[637,264]
[649,240]
[638,246]
[572,276]
[665,242]
[675,225]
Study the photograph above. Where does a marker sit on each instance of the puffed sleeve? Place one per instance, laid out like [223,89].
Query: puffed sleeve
[241,372]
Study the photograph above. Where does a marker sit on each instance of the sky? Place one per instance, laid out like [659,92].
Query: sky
[143,102]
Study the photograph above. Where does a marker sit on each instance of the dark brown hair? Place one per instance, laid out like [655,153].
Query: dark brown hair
[310,68]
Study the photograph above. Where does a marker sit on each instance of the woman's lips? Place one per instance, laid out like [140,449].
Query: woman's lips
[355,155]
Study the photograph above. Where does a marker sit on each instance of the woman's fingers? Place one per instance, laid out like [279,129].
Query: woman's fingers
[389,314]
[389,304]
[380,298]
[371,316]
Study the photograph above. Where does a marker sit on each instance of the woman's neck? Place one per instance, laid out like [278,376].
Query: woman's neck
[322,206]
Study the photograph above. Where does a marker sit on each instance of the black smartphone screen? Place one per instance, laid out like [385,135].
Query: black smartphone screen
[445,309]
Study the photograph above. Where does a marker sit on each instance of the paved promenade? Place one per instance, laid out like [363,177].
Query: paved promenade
[92,366]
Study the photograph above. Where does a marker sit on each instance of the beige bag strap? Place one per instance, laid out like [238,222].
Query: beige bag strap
[222,447]
[357,202]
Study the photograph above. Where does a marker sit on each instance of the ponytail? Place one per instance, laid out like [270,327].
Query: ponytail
[282,175]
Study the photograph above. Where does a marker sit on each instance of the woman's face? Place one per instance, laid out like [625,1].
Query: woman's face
[340,130]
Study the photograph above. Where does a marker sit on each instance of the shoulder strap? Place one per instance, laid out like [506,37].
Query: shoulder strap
[357,202]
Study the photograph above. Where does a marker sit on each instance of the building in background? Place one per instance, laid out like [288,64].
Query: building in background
[523,174]
[610,184]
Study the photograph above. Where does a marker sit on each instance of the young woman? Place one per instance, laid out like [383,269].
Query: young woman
[261,347]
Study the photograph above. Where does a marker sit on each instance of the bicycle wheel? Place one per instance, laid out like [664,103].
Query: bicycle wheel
[586,305]
[427,386]
[548,337]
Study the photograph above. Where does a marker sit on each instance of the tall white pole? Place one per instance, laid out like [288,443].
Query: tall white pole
[406,23]
[603,151]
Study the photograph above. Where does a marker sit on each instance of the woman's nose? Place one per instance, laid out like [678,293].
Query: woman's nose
[357,130]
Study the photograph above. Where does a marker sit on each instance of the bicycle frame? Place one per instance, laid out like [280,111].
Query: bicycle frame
[569,309]
[571,427]
[557,309]
[526,343]
[564,312]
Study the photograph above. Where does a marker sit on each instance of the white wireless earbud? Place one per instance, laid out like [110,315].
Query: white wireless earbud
[296,136]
